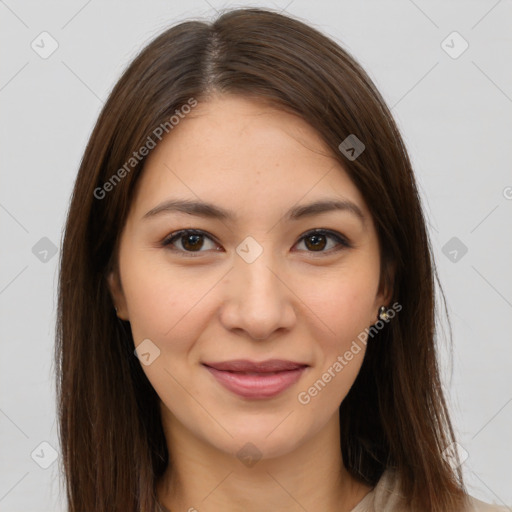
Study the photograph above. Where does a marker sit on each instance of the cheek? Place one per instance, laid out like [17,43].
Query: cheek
[163,300]
[344,302]
[340,308]
[170,307]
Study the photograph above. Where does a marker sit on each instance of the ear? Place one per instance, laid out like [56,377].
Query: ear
[386,285]
[116,291]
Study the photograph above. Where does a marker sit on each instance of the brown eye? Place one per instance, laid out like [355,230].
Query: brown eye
[189,241]
[192,242]
[316,242]
[323,241]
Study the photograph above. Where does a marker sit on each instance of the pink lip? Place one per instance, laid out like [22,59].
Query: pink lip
[254,380]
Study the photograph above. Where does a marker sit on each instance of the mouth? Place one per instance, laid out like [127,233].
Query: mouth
[256,380]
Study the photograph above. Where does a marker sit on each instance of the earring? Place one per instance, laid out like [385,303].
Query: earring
[383,315]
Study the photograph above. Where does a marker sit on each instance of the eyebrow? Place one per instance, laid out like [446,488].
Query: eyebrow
[208,210]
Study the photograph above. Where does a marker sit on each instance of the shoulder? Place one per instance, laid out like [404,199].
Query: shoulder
[475,505]
[387,497]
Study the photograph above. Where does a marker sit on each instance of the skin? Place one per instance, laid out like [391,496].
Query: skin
[293,302]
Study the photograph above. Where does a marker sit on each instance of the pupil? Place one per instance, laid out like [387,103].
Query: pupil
[315,242]
[192,242]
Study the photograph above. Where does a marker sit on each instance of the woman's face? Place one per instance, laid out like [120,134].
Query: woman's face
[253,281]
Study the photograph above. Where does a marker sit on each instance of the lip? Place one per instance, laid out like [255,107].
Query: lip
[256,380]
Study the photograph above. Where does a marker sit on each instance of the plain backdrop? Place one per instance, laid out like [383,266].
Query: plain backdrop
[454,108]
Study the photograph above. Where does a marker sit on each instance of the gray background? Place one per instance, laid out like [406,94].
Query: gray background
[455,116]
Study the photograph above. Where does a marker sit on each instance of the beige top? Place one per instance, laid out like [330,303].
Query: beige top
[386,497]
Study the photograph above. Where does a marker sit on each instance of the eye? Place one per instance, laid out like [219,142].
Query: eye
[190,241]
[322,240]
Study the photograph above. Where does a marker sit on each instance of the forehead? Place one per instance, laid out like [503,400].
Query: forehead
[242,153]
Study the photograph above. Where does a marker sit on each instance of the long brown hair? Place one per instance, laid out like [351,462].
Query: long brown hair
[395,415]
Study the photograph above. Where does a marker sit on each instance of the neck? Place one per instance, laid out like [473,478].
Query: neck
[311,477]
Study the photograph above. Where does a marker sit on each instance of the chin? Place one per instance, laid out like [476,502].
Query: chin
[260,438]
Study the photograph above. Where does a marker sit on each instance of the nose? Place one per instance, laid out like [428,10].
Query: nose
[259,301]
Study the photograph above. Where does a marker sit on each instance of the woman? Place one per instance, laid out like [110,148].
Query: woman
[246,302]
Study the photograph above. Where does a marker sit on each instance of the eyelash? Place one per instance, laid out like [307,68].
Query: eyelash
[343,243]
